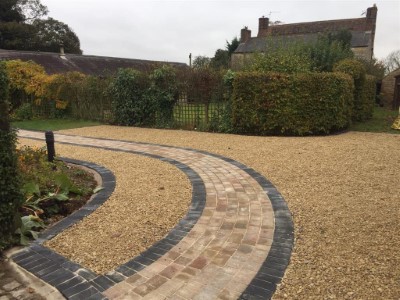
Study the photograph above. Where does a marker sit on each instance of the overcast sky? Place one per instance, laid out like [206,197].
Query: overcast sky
[170,30]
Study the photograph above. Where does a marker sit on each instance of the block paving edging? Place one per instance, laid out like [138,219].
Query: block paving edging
[262,286]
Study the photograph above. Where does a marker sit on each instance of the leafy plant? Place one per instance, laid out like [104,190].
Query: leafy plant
[131,106]
[29,226]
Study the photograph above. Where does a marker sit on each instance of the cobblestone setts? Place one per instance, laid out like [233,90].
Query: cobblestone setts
[234,243]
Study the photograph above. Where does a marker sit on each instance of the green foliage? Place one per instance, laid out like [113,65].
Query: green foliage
[222,121]
[281,57]
[16,36]
[24,112]
[329,49]
[231,46]
[28,229]
[220,60]
[50,34]
[163,93]
[373,67]
[23,28]
[49,187]
[10,196]
[296,104]
[364,90]
[131,106]
[10,11]
[201,62]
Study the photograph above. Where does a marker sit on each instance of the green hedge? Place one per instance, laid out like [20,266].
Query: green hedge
[296,104]
[10,196]
[364,88]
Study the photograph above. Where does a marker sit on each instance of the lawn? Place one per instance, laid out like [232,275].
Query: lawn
[53,124]
[381,121]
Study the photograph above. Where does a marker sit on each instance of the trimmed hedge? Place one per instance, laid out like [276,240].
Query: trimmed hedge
[296,104]
[10,195]
[364,88]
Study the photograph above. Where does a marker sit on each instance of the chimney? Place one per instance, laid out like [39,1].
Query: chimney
[263,23]
[245,35]
[372,13]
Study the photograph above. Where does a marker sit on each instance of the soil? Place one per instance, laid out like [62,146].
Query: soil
[342,190]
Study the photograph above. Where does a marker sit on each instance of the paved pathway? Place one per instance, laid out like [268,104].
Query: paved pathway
[235,243]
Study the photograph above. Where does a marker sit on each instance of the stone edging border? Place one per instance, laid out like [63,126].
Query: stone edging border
[263,284]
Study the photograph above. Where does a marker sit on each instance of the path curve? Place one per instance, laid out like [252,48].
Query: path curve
[238,247]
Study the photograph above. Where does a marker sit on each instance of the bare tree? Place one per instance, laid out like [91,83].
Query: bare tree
[392,61]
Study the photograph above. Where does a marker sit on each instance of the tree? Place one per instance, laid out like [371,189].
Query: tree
[16,36]
[201,62]
[10,11]
[374,67]
[329,49]
[392,61]
[21,10]
[50,34]
[22,28]
[221,59]
[32,9]
[231,47]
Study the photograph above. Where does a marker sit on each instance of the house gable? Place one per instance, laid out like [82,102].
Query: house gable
[361,29]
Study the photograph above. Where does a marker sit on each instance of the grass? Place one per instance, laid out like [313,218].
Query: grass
[53,124]
[381,121]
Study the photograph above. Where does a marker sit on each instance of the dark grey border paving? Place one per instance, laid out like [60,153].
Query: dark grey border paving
[272,270]
[77,282]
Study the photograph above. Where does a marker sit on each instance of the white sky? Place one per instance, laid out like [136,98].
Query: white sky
[170,30]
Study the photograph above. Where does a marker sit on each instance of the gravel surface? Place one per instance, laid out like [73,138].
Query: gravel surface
[343,191]
[150,198]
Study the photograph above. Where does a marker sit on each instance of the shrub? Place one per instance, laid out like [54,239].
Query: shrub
[10,195]
[364,94]
[281,56]
[164,93]
[24,112]
[297,104]
[27,81]
[130,103]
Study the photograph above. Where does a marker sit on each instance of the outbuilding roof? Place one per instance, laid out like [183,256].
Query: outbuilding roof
[87,64]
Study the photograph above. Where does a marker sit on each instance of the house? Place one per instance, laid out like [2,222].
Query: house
[390,89]
[62,62]
[362,30]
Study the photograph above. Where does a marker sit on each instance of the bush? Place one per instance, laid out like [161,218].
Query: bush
[282,57]
[164,93]
[10,195]
[364,89]
[297,104]
[24,112]
[130,102]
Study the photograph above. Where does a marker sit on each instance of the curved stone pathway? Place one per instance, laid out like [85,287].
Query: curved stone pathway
[235,243]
